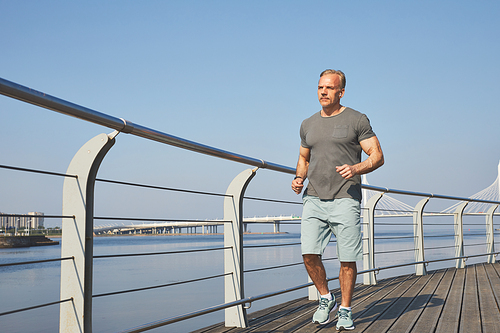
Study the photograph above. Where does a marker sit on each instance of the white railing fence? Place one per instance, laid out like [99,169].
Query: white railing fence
[78,221]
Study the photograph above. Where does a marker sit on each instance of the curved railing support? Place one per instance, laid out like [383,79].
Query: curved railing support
[369,239]
[77,235]
[459,234]
[418,233]
[233,256]
[490,234]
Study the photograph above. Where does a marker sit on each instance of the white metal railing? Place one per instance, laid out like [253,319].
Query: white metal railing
[78,201]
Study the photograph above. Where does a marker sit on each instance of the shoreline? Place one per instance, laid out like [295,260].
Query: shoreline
[7,242]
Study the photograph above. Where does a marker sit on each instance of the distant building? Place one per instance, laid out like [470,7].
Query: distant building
[32,220]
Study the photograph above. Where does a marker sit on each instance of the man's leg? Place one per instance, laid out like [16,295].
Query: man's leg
[316,271]
[347,278]
[327,303]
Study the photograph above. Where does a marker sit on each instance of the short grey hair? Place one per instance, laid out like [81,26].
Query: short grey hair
[339,73]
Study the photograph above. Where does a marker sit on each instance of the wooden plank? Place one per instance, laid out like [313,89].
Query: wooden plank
[490,313]
[369,310]
[470,319]
[428,320]
[255,318]
[449,320]
[296,313]
[493,272]
[409,318]
[393,312]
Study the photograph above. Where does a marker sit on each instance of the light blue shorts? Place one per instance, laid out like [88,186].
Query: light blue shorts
[321,218]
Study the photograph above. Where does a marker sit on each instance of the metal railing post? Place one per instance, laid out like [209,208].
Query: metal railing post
[369,239]
[418,233]
[77,235]
[233,256]
[312,292]
[490,234]
[459,234]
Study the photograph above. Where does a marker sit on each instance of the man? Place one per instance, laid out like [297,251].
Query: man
[330,157]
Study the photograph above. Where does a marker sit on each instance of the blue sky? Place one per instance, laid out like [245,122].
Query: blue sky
[241,76]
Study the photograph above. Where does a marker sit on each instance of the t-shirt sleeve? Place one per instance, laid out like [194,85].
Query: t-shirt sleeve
[364,128]
[303,142]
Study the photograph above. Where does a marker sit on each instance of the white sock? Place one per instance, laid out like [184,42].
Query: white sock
[327,296]
[343,307]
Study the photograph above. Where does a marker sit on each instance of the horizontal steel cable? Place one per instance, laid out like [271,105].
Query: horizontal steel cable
[268,245]
[476,224]
[396,237]
[37,171]
[438,224]
[161,187]
[156,253]
[192,191]
[474,234]
[274,200]
[36,306]
[281,266]
[394,210]
[437,213]
[440,247]
[272,267]
[160,286]
[439,236]
[35,261]
[277,221]
[271,245]
[393,251]
[475,244]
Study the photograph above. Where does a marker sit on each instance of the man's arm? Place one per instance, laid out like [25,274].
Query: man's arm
[302,167]
[371,147]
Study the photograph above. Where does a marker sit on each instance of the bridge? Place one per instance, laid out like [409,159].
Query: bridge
[190,227]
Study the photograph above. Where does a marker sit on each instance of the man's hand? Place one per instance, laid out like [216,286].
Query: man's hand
[346,171]
[371,147]
[297,185]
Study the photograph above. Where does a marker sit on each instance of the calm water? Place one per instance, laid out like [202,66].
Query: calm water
[28,285]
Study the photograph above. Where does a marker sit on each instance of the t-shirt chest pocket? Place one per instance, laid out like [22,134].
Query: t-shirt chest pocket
[340,131]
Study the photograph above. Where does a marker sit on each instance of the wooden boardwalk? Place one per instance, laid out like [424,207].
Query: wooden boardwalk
[448,300]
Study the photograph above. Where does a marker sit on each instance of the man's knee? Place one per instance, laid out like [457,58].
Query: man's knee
[348,264]
[311,259]
[348,267]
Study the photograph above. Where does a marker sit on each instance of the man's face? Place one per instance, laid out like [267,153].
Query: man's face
[329,91]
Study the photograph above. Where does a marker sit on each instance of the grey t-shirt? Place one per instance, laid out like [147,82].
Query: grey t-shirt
[334,141]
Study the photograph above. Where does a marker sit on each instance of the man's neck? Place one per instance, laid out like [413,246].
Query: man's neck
[332,111]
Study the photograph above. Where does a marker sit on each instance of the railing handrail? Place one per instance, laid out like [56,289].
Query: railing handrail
[41,99]
[429,195]
[32,96]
